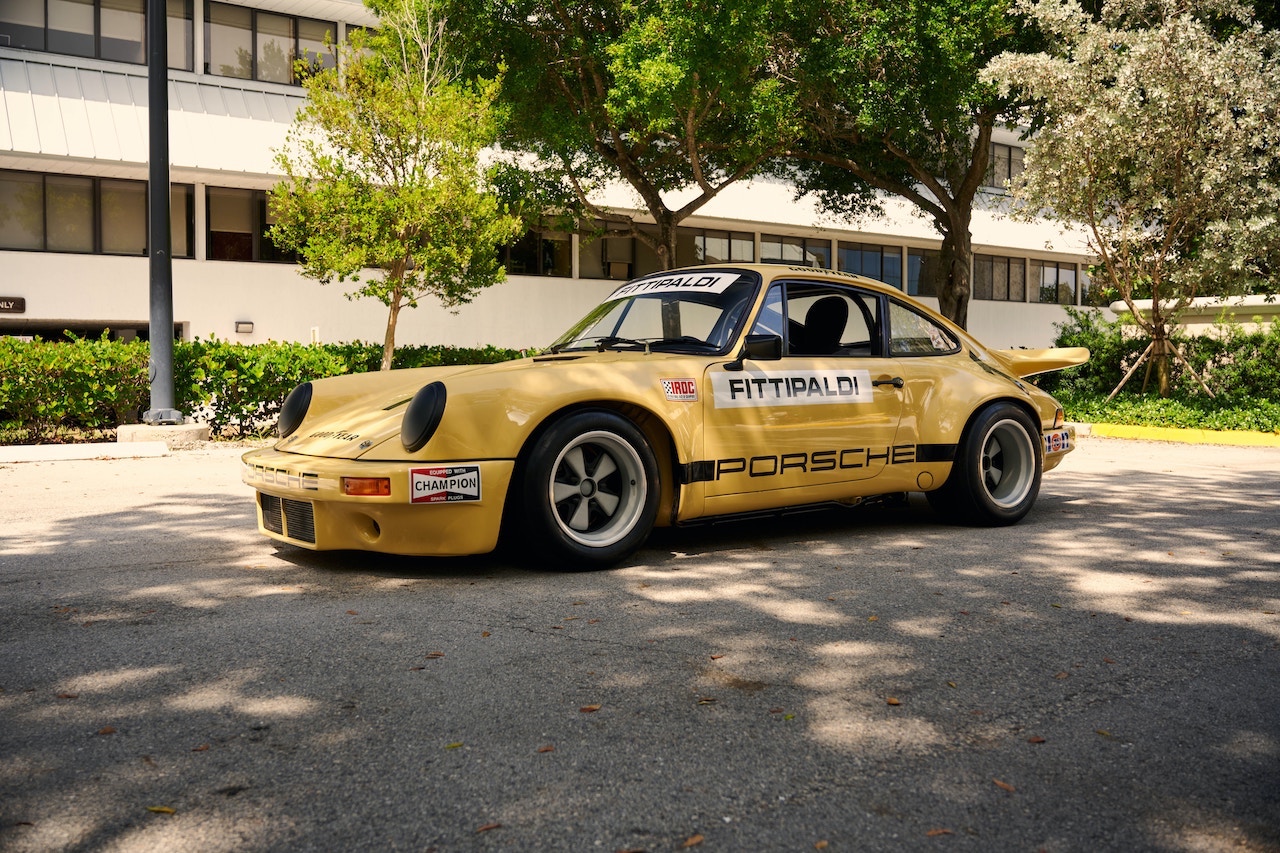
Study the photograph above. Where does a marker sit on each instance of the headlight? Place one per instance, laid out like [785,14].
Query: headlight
[422,416]
[294,409]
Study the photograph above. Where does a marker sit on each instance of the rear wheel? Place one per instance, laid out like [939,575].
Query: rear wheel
[590,490]
[995,478]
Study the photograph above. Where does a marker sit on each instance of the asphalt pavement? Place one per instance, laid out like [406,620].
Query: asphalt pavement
[1103,676]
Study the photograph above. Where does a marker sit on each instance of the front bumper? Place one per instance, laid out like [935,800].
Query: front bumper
[433,509]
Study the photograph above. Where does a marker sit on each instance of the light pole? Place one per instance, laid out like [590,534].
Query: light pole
[162,409]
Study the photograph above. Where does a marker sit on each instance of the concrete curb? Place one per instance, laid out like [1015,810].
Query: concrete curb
[1236,438]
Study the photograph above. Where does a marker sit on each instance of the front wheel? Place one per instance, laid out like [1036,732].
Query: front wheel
[590,490]
[996,474]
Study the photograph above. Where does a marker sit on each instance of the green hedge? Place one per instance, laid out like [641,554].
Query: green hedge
[48,388]
[1241,368]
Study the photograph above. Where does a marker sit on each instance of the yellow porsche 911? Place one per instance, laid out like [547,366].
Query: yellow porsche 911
[708,391]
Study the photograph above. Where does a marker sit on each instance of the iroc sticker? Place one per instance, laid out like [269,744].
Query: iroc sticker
[444,484]
[680,390]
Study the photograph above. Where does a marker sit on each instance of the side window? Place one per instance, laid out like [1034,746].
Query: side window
[912,333]
[831,321]
[770,321]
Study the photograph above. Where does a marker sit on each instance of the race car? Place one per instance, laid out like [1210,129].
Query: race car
[696,393]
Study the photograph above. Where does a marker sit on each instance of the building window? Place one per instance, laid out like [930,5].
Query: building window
[238,222]
[800,251]
[607,257]
[70,213]
[181,35]
[705,246]
[255,45]
[115,30]
[22,24]
[924,272]
[883,263]
[1005,165]
[999,278]
[124,217]
[540,253]
[1056,282]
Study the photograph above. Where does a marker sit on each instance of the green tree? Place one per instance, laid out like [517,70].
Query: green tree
[892,100]
[1163,140]
[666,96]
[384,187]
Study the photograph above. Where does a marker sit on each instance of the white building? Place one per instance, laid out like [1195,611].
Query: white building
[73,169]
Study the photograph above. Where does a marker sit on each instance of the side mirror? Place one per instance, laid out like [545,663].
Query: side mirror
[758,348]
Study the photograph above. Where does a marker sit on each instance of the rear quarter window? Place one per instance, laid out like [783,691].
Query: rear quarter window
[912,333]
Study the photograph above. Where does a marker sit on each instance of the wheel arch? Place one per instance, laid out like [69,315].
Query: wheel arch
[655,430]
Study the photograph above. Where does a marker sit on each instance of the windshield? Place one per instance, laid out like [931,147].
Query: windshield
[672,312]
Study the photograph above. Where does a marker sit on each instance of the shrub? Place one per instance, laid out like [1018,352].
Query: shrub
[87,383]
[1241,368]
[49,387]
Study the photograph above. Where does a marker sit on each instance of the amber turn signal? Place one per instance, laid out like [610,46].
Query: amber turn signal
[367,486]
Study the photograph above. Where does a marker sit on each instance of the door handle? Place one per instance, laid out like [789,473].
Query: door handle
[896,382]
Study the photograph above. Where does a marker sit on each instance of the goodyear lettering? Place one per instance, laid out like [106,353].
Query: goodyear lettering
[791,388]
[335,434]
[816,462]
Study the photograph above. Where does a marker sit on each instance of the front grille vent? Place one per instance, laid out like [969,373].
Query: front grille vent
[290,518]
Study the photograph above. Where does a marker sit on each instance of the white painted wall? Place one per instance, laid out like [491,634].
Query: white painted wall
[211,296]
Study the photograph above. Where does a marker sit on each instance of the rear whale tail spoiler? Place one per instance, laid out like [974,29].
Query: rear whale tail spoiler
[1028,362]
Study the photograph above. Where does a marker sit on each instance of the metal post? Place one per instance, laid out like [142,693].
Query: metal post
[158,242]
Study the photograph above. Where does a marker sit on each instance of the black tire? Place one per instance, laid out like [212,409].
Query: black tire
[590,491]
[995,478]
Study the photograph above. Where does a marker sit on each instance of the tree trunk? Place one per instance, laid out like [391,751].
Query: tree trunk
[1161,357]
[393,314]
[957,262]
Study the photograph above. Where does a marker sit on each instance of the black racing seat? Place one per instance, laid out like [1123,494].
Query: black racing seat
[824,325]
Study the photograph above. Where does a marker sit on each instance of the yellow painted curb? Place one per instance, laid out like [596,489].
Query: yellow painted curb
[1238,438]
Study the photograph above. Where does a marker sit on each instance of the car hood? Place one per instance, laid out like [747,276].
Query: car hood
[359,416]
[353,413]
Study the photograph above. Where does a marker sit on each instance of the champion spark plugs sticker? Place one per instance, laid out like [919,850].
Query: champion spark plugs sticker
[444,484]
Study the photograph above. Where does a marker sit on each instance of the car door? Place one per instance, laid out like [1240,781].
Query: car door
[825,414]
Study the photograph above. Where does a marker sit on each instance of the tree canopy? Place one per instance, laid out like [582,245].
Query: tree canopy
[1162,138]
[891,98]
[384,187]
[666,96]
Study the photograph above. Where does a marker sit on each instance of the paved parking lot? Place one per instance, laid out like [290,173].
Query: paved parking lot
[1105,675]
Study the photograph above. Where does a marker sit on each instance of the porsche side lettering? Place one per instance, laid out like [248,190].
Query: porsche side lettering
[817,462]
[444,485]
[791,388]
